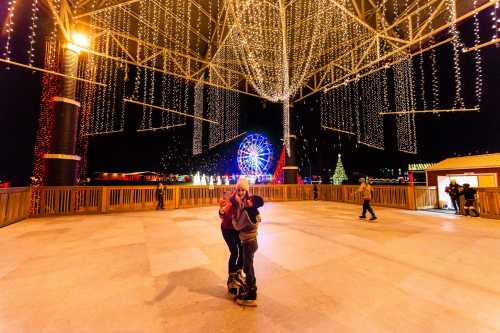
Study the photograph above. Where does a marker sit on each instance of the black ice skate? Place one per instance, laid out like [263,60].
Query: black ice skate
[235,283]
[248,297]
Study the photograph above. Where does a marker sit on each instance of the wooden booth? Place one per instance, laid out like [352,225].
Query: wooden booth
[478,171]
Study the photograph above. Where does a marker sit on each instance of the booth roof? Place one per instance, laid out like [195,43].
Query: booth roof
[468,162]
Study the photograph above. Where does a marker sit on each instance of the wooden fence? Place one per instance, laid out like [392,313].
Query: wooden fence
[47,201]
[404,197]
[100,199]
[14,205]
[19,203]
[489,202]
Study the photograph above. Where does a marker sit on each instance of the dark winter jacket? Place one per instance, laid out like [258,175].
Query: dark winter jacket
[469,193]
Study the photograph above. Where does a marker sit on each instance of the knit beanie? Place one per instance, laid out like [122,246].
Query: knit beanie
[243,184]
[257,201]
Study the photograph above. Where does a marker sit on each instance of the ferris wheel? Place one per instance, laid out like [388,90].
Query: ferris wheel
[255,155]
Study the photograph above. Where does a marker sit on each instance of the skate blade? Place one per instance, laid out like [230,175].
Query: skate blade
[246,303]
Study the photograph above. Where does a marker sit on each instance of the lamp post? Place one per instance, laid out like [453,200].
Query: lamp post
[61,164]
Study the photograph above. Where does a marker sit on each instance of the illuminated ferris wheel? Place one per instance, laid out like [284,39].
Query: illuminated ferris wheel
[255,155]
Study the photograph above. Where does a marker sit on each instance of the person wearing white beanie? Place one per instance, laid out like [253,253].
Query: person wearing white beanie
[243,184]
[227,211]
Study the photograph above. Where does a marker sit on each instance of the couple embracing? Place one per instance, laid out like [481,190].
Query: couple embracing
[240,221]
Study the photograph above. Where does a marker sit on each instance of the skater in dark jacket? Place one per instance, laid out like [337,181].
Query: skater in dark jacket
[454,190]
[159,196]
[247,220]
[470,198]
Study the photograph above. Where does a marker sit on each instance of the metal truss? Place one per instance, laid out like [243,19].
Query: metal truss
[385,39]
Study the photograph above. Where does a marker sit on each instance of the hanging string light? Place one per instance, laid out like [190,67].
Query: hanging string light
[9,28]
[33,28]
[197,124]
[405,103]
[434,68]
[456,49]
[371,104]
[421,68]
[495,21]
[274,52]
[478,85]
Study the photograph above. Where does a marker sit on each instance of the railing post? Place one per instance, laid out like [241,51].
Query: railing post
[410,198]
[177,197]
[103,200]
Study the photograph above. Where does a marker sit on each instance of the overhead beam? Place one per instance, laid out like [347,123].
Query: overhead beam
[132,101]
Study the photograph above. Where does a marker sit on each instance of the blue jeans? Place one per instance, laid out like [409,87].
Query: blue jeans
[249,248]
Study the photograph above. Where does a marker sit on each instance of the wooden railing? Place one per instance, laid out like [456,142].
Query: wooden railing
[84,200]
[426,197]
[14,205]
[489,202]
[403,197]
[47,201]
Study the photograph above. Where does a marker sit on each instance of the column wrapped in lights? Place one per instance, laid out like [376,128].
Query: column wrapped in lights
[61,162]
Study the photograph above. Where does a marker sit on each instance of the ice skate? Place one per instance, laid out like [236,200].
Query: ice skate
[248,298]
[235,283]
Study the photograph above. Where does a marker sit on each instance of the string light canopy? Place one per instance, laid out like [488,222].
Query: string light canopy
[280,50]
[275,49]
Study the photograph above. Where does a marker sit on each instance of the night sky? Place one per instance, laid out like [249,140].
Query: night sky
[439,136]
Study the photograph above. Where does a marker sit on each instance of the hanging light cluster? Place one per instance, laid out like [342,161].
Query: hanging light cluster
[404,104]
[33,29]
[495,21]
[224,108]
[456,49]
[277,40]
[355,109]
[478,85]
[337,110]
[371,104]
[224,104]
[9,28]
[197,124]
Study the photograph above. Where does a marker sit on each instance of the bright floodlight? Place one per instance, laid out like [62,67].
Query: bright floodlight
[80,39]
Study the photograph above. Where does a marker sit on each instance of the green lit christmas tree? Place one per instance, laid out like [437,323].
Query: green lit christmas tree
[339,176]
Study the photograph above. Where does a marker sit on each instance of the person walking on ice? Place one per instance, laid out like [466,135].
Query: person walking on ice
[366,194]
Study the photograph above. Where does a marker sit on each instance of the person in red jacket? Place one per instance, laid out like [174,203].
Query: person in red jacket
[235,281]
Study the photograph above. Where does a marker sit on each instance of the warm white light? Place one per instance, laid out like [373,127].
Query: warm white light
[80,39]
